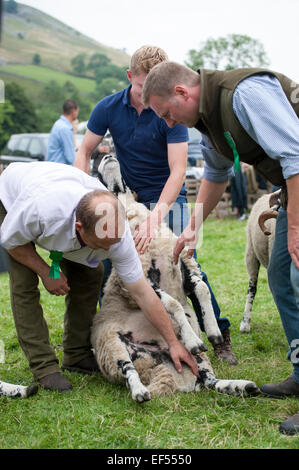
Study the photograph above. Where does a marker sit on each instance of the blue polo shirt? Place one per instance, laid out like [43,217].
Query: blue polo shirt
[140,143]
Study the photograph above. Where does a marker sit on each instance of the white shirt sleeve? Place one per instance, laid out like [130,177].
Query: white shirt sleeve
[21,225]
[125,259]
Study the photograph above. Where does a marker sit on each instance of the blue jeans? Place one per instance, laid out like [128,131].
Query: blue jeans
[283,279]
[177,220]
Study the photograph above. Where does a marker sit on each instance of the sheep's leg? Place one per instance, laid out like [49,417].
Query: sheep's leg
[138,390]
[114,359]
[206,379]
[193,283]
[17,391]
[253,266]
[185,332]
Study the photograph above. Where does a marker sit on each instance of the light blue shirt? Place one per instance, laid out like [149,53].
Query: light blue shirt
[61,146]
[264,111]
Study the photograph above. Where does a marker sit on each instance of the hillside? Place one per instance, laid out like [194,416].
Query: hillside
[31,31]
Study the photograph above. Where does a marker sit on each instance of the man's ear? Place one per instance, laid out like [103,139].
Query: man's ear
[78,225]
[181,90]
[129,75]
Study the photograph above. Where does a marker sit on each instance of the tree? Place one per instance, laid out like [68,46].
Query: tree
[36,59]
[11,6]
[78,63]
[6,122]
[51,100]
[98,60]
[106,87]
[24,115]
[226,53]
[109,71]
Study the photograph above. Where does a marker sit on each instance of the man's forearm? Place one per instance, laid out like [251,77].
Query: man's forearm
[169,195]
[27,255]
[293,218]
[153,309]
[82,161]
[209,195]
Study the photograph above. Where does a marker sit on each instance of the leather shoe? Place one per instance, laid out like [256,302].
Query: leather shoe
[85,366]
[55,381]
[287,388]
[290,426]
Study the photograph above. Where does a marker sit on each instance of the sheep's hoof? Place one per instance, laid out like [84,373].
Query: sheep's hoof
[215,339]
[251,389]
[244,327]
[143,397]
[31,390]
[197,349]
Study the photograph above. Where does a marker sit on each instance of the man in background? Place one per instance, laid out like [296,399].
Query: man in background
[61,147]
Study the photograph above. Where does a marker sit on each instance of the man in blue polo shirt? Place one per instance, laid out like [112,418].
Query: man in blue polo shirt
[61,147]
[153,159]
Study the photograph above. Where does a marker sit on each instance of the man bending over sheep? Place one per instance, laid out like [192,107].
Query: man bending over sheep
[63,210]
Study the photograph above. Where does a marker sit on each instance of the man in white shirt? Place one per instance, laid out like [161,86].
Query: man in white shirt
[72,215]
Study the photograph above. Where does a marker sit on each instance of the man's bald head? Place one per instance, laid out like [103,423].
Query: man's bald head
[101,214]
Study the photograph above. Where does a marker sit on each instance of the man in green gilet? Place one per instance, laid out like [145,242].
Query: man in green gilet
[248,115]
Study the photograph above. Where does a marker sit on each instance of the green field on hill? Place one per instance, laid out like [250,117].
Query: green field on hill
[45,75]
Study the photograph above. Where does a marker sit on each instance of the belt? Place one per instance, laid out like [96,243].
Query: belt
[284,197]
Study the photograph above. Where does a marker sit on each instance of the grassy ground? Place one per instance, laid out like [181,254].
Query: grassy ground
[103,416]
[45,75]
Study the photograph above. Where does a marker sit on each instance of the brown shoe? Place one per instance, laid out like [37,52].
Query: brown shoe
[290,426]
[287,388]
[55,381]
[85,366]
[223,351]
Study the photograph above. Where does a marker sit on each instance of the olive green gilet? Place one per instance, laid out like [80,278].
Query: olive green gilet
[217,116]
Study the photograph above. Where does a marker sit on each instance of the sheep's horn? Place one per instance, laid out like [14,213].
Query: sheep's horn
[266,215]
[274,198]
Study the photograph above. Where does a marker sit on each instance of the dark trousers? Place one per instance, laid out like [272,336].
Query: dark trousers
[32,330]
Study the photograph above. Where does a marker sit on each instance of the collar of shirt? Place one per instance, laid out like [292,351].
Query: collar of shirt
[64,119]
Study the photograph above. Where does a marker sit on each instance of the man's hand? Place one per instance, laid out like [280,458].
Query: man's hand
[293,245]
[180,354]
[144,233]
[56,286]
[187,238]
[293,218]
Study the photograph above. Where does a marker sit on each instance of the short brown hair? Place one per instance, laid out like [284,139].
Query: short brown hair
[145,58]
[162,79]
[69,106]
[89,215]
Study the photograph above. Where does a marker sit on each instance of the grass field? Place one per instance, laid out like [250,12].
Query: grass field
[45,75]
[103,416]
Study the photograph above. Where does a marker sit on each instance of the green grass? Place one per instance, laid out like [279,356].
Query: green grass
[45,75]
[99,415]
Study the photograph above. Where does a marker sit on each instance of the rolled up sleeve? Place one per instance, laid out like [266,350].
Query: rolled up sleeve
[217,168]
[264,111]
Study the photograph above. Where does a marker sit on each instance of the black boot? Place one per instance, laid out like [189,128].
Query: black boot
[290,426]
[85,366]
[55,381]
[287,388]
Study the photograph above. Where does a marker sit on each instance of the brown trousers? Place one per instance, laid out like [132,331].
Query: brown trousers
[32,330]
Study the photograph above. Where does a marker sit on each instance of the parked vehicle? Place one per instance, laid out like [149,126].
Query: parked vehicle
[26,148]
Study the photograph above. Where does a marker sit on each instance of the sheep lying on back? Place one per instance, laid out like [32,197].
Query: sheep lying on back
[14,391]
[127,347]
[258,249]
